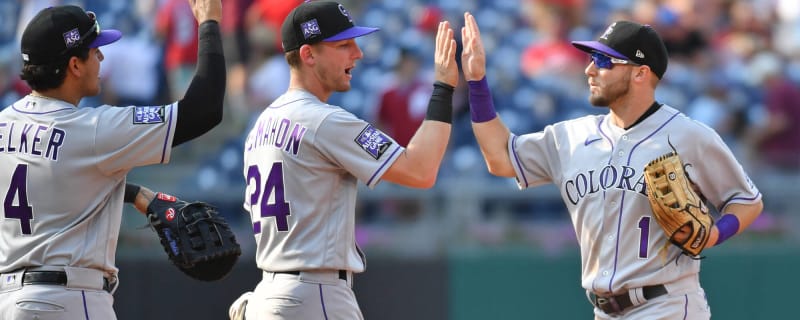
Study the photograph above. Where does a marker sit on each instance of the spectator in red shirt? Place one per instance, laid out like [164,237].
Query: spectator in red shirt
[776,140]
[402,106]
[271,13]
[177,28]
[551,54]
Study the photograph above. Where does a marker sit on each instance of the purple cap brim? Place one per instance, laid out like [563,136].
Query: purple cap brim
[106,37]
[590,46]
[352,32]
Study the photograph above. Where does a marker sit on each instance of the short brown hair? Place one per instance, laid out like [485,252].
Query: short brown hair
[293,58]
[50,76]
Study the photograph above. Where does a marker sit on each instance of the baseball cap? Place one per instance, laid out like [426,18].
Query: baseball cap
[317,21]
[54,30]
[633,42]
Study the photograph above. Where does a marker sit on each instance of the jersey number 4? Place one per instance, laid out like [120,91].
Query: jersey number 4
[18,189]
[273,188]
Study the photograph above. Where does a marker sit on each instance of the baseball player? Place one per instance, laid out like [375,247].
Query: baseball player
[63,168]
[303,160]
[628,269]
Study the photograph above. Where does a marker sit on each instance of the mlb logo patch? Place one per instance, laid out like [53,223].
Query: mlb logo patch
[373,141]
[71,37]
[310,28]
[148,114]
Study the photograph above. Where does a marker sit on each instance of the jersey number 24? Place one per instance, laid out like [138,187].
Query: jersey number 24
[274,188]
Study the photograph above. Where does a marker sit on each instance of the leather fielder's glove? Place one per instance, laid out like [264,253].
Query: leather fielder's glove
[677,208]
[196,238]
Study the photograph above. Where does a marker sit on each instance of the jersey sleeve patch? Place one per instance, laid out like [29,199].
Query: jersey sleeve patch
[373,141]
[148,114]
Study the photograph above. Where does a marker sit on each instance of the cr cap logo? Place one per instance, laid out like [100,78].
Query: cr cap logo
[345,13]
[170,214]
[608,31]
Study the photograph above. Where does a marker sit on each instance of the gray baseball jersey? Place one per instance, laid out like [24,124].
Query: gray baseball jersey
[303,159]
[62,175]
[598,168]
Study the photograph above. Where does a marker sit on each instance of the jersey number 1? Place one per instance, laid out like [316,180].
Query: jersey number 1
[19,189]
[279,208]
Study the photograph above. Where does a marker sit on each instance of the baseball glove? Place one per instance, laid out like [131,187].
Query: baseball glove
[677,208]
[196,238]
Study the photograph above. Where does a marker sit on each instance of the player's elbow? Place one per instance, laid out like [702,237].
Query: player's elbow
[412,178]
[500,168]
[758,207]
[427,183]
[421,180]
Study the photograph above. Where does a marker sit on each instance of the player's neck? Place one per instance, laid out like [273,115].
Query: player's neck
[625,115]
[310,86]
[58,94]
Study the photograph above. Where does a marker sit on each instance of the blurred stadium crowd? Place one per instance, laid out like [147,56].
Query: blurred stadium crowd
[735,65]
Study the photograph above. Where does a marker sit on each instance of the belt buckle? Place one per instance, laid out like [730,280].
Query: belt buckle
[609,305]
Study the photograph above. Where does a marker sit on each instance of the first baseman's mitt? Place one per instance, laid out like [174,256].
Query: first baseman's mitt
[676,206]
[196,238]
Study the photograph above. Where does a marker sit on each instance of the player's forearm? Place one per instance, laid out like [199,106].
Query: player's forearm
[139,196]
[492,138]
[742,217]
[418,166]
[426,149]
[201,108]
[427,146]
[491,133]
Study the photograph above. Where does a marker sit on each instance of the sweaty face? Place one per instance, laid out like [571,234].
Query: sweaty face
[335,61]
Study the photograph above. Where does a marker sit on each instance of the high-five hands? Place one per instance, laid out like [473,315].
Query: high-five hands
[445,55]
[473,56]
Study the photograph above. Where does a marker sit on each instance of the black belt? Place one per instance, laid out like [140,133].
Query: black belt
[52,277]
[618,303]
[342,273]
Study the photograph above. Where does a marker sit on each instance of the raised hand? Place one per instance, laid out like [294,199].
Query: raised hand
[473,56]
[206,10]
[445,55]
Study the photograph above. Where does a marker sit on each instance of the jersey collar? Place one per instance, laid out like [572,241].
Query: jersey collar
[651,110]
[41,105]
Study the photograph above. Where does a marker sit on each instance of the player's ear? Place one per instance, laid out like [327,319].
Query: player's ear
[641,74]
[74,66]
[306,53]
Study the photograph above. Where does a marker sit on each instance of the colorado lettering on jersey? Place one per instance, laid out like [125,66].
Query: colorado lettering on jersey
[31,139]
[278,133]
[586,183]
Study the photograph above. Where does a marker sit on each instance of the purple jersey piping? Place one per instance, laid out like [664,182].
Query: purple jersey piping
[611,142]
[28,112]
[516,159]
[372,178]
[85,309]
[685,306]
[322,301]
[622,200]
[166,138]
